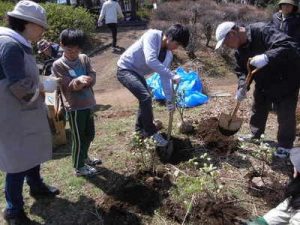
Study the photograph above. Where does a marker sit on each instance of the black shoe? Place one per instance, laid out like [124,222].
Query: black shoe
[44,190]
[19,219]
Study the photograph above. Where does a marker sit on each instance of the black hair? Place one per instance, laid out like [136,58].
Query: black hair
[72,37]
[293,192]
[179,33]
[16,24]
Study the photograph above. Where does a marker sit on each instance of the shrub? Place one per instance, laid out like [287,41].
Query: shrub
[203,16]
[59,17]
[5,6]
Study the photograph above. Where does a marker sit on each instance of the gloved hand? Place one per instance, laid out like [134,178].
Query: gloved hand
[170,106]
[176,79]
[259,61]
[241,94]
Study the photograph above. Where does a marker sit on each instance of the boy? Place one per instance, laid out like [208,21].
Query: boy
[151,53]
[78,78]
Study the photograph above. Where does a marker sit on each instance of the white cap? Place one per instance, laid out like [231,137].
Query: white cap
[295,158]
[221,32]
[31,12]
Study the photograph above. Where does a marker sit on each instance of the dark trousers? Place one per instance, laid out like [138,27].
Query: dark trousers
[137,85]
[83,132]
[114,31]
[286,117]
[14,188]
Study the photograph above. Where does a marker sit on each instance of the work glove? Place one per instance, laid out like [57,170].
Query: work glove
[259,61]
[241,94]
[170,106]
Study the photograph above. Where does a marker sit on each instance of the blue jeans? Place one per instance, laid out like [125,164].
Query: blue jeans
[137,85]
[14,187]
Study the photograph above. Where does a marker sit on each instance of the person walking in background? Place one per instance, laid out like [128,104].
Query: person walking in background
[288,19]
[151,53]
[110,12]
[277,57]
[25,138]
[78,78]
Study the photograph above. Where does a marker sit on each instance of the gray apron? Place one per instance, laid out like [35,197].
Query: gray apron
[25,138]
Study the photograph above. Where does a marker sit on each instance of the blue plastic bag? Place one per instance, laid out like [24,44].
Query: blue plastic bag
[189,90]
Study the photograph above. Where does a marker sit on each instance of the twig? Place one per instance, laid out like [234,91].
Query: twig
[181,171]
[188,209]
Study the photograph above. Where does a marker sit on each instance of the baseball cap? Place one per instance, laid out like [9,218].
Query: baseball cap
[31,12]
[221,32]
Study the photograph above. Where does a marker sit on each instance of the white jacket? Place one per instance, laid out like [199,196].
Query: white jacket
[110,11]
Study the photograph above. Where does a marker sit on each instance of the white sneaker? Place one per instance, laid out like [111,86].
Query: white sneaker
[159,140]
[282,152]
[86,170]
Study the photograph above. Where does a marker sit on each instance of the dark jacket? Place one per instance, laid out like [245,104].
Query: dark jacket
[290,25]
[281,76]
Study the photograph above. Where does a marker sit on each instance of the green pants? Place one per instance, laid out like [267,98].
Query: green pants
[83,132]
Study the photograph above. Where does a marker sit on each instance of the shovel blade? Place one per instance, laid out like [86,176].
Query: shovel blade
[166,152]
[229,126]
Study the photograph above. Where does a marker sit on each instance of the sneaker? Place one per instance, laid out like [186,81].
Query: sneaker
[44,190]
[86,170]
[160,141]
[282,152]
[19,219]
[92,161]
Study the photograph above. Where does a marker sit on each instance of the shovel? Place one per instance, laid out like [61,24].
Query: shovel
[168,150]
[229,124]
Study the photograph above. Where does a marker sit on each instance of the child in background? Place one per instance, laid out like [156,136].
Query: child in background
[78,78]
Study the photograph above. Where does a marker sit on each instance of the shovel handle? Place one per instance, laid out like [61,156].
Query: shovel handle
[249,77]
[171,114]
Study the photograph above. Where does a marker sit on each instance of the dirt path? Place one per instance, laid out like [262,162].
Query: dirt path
[108,90]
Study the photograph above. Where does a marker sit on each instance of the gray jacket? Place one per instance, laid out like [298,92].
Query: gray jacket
[25,138]
[142,58]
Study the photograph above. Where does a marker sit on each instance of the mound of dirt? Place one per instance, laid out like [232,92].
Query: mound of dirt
[208,132]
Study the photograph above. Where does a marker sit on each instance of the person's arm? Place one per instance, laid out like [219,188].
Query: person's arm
[150,49]
[240,70]
[281,49]
[90,70]
[150,43]
[280,215]
[119,11]
[102,13]
[21,87]
[67,82]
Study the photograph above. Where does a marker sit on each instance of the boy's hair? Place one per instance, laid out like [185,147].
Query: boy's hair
[72,37]
[179,33]
[16,24]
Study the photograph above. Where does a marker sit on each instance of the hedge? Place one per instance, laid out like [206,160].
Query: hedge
[59,18]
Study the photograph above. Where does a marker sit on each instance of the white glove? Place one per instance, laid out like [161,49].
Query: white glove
[259,61]
[241,94]
[83,79]
[170,106]
[176,79]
